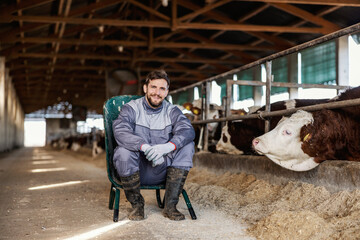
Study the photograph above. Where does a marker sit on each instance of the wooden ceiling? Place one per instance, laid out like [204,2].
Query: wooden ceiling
[61,50]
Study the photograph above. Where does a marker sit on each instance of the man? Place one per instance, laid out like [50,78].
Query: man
[155,143]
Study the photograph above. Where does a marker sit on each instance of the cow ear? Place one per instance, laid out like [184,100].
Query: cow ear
[196,111]
[282,119]
[187,106]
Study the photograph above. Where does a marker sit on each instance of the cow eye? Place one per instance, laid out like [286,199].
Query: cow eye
[286,132]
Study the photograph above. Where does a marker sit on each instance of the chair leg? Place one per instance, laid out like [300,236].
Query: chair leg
[116,208]
[111,197]
[188,203]
[158,198]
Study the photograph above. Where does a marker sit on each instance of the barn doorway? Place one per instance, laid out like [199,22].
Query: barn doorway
[34,132]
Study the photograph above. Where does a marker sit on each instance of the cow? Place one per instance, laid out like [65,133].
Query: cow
[237,136]
[322,135]
[214,128]
[98,142]
[73,143]
[79,141]
[349,94]
[303,141]
[238,112]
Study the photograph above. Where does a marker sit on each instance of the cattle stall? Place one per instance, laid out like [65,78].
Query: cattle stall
[332,174]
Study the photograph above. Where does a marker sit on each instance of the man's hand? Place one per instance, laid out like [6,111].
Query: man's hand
[157,151]
[144,147]
[158,161]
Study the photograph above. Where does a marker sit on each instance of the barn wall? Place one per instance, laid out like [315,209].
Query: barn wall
[11,113]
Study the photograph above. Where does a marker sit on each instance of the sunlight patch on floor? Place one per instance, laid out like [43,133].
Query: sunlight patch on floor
[57,185]
[44,162]
[47,170]
[96,232]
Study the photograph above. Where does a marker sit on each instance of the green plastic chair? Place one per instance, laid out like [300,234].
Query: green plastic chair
[111,110]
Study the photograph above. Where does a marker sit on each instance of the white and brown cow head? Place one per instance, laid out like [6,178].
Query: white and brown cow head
[214,112]
[283,144]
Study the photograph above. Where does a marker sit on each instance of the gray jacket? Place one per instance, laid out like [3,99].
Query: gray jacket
[138,124]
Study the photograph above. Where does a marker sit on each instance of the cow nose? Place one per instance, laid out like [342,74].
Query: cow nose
[255,142]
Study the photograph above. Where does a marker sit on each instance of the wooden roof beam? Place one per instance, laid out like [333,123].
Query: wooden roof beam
[343,3]
[226,20]
[23,5]
[161,24]
[202,10]
[321,13]
[120,58]
[14,67]
[331,27]
[77,12]
[150,10]
[57,75]
[208,45]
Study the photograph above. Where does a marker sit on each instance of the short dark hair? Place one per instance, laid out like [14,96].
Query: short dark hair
[157,74]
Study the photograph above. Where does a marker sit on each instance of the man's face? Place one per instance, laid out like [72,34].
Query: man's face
[155,92]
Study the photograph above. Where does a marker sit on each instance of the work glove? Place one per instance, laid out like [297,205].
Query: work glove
[157,151]
[158,161]
[144,147]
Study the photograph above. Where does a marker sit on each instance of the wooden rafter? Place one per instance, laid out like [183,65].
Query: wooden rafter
[161,24]
[68,48]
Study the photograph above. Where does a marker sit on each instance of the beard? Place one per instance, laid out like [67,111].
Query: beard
[153,104]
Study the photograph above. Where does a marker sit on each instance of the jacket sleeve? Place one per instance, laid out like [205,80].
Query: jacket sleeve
[183,131]
[123,129]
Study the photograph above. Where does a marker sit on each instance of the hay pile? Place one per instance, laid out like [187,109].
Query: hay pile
[295,210]
[292,211]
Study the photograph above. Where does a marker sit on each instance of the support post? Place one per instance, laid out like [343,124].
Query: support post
[269,79]
[207,107]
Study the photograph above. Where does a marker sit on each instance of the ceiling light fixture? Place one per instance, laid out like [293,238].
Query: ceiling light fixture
[101,28]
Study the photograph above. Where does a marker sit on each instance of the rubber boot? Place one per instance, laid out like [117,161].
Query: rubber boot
[131,186]
[175,181]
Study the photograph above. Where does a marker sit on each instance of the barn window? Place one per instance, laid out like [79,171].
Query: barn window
[279,68]
[216,93]
[240,92]
[182,97]
[245,92]
[196,93]
[222,83]
[169,98]
[235,89]
[354,55]
[318,64]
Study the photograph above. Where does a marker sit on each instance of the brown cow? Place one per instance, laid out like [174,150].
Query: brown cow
[236,137]
[304,140]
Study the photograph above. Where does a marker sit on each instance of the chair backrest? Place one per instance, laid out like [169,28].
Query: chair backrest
[111,110]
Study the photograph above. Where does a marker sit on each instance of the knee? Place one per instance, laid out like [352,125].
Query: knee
[125,161]
[184,157]
[122,154]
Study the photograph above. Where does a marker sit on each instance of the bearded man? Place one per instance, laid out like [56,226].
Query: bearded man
[155,145]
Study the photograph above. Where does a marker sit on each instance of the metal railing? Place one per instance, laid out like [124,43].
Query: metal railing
[205,86]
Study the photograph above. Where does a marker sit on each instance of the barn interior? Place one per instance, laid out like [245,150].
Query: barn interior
[61,60]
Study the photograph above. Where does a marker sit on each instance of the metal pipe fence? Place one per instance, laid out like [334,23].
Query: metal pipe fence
[269,83]
[263,115]
[342,32]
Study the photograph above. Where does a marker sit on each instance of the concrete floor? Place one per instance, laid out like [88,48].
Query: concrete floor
[70,201]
